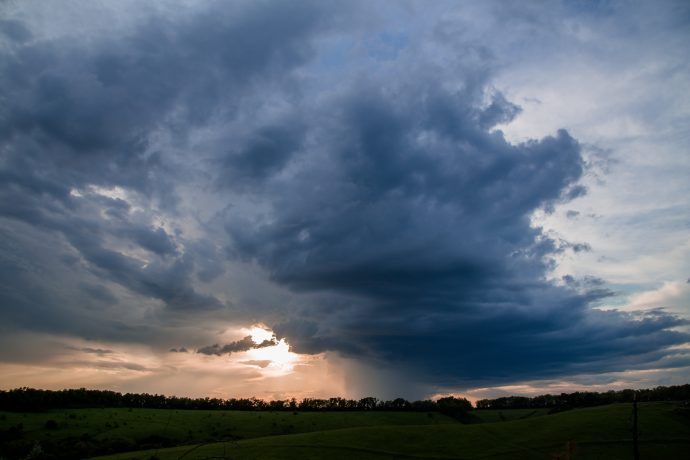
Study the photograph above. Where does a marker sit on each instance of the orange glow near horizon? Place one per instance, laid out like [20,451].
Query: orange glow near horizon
[272,372]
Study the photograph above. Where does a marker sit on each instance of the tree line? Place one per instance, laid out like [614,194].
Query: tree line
[31,400]
[587,398]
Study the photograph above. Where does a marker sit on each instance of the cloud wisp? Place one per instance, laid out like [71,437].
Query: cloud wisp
[245,344]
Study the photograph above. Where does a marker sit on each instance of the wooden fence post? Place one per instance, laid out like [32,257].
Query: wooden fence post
[636,447]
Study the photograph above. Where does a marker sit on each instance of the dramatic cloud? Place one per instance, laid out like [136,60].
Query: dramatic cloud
[80,122]
[245,344]
[340,173]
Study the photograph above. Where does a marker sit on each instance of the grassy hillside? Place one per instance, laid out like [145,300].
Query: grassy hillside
[83,432]
[593,433]
[485,415]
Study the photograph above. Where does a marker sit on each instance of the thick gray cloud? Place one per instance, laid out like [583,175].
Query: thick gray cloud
[83,113]
[375,186]
[412,204]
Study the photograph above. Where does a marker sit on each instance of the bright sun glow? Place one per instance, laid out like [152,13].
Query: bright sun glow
[260,334]
[277,358]
[279,355]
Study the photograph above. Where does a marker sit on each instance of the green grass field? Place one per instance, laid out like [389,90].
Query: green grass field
[507,415]
[86,432]
[593,433]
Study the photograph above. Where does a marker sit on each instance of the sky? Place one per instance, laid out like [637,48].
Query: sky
[324,198]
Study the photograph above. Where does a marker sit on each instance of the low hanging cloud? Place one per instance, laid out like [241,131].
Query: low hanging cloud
[89,350]
[244,344]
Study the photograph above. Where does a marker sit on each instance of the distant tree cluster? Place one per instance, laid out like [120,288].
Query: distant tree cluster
[33,400]
[566,401]
[29,399]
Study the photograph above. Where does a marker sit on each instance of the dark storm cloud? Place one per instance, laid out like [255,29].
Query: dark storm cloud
[14,30]
[157,240]
[168,277]
[587,282]
[170,283]
[42,293]
[499,111]
[413,206]
[266,151]
[410,192]
[208,260]
[100,293]
[79,112]
[96,106]
[245,344]
[388,191]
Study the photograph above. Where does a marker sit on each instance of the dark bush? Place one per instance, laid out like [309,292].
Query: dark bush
[51,425]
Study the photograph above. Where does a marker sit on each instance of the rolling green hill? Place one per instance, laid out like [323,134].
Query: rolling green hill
[591,433]
[81,433]
[485,415]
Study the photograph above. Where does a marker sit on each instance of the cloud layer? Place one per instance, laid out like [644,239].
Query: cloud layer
[355,166]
